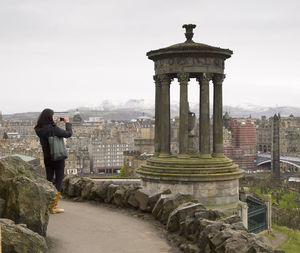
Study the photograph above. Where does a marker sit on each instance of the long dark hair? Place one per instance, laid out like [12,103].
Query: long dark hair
[45,118]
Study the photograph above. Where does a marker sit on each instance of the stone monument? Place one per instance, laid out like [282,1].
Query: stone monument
[210,176]
[275,147]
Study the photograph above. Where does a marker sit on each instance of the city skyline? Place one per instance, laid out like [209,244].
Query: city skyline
[67,54]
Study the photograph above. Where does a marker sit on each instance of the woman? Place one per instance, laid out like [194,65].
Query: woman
[44,128]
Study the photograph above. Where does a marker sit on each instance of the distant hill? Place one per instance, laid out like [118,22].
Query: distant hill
[255,111]
[134,108]
[258,111]
[117,114]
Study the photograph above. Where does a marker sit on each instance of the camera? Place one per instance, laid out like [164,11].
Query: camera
[61,119]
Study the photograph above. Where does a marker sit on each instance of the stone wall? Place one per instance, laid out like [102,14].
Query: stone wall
[25,202]
[190,225]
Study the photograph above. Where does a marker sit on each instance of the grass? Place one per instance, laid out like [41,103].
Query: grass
[291,199]
[292,245]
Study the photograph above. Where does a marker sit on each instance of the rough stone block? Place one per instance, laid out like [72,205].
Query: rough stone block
[221,237]
[28,197]
[88,190]
[155,197]
[259,246]
[2,207]
[25,198]
[180,213]
[171,203]
[73,190]
[142,196]
[79,185]
[65,184]
[238,226]
[19,239]
[158,206]
[239,242]
[208,232]
[130,199]
[111,189]
[232,219]
[189,248]
[101,191]
[119,196]
[11,167]
[212,214]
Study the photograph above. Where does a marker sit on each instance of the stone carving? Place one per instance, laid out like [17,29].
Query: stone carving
[204,78]
[192,119]
[200,64]
[189,32]
[183,78]
[218,78]
[156,80]
[164,79]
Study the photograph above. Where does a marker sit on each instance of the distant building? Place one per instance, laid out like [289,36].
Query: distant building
[144,143]
[95,119]
[133,160]
[13,135]
[77,119]
[289,135]
[174,144]
[83,160]
[107,158]
[264,135]
[240,142]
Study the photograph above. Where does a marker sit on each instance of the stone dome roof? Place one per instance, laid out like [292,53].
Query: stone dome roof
[189,47]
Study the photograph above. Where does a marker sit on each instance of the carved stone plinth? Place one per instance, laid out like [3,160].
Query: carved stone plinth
[214,181]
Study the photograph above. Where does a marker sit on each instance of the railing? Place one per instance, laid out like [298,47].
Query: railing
[289,157]
[257,215]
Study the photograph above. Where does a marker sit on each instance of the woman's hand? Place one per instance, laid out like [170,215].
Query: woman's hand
[66,120]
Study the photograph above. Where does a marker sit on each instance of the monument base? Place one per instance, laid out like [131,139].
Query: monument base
[213,181]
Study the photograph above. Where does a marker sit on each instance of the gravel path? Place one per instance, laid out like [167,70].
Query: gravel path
[91,227]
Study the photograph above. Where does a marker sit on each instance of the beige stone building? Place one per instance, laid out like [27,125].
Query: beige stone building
[133,160]
[289,133]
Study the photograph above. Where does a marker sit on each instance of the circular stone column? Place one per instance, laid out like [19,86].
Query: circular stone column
[212,179]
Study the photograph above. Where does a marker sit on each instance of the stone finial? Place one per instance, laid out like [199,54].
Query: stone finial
[189,32]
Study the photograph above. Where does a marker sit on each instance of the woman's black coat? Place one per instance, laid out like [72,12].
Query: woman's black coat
[46,131]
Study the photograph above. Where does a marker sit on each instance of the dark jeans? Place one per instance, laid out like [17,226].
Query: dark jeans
[55,168]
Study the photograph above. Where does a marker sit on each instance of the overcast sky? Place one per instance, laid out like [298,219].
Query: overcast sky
[64,54]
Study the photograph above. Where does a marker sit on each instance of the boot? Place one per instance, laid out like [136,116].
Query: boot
[55,208]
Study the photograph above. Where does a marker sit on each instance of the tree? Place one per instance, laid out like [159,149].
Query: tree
[123,171]
[5,136]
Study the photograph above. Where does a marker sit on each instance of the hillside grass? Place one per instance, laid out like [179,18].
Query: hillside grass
[292,245]
[287,200]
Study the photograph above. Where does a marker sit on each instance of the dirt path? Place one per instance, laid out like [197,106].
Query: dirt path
[279,238]
[90,227]
[276,239]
